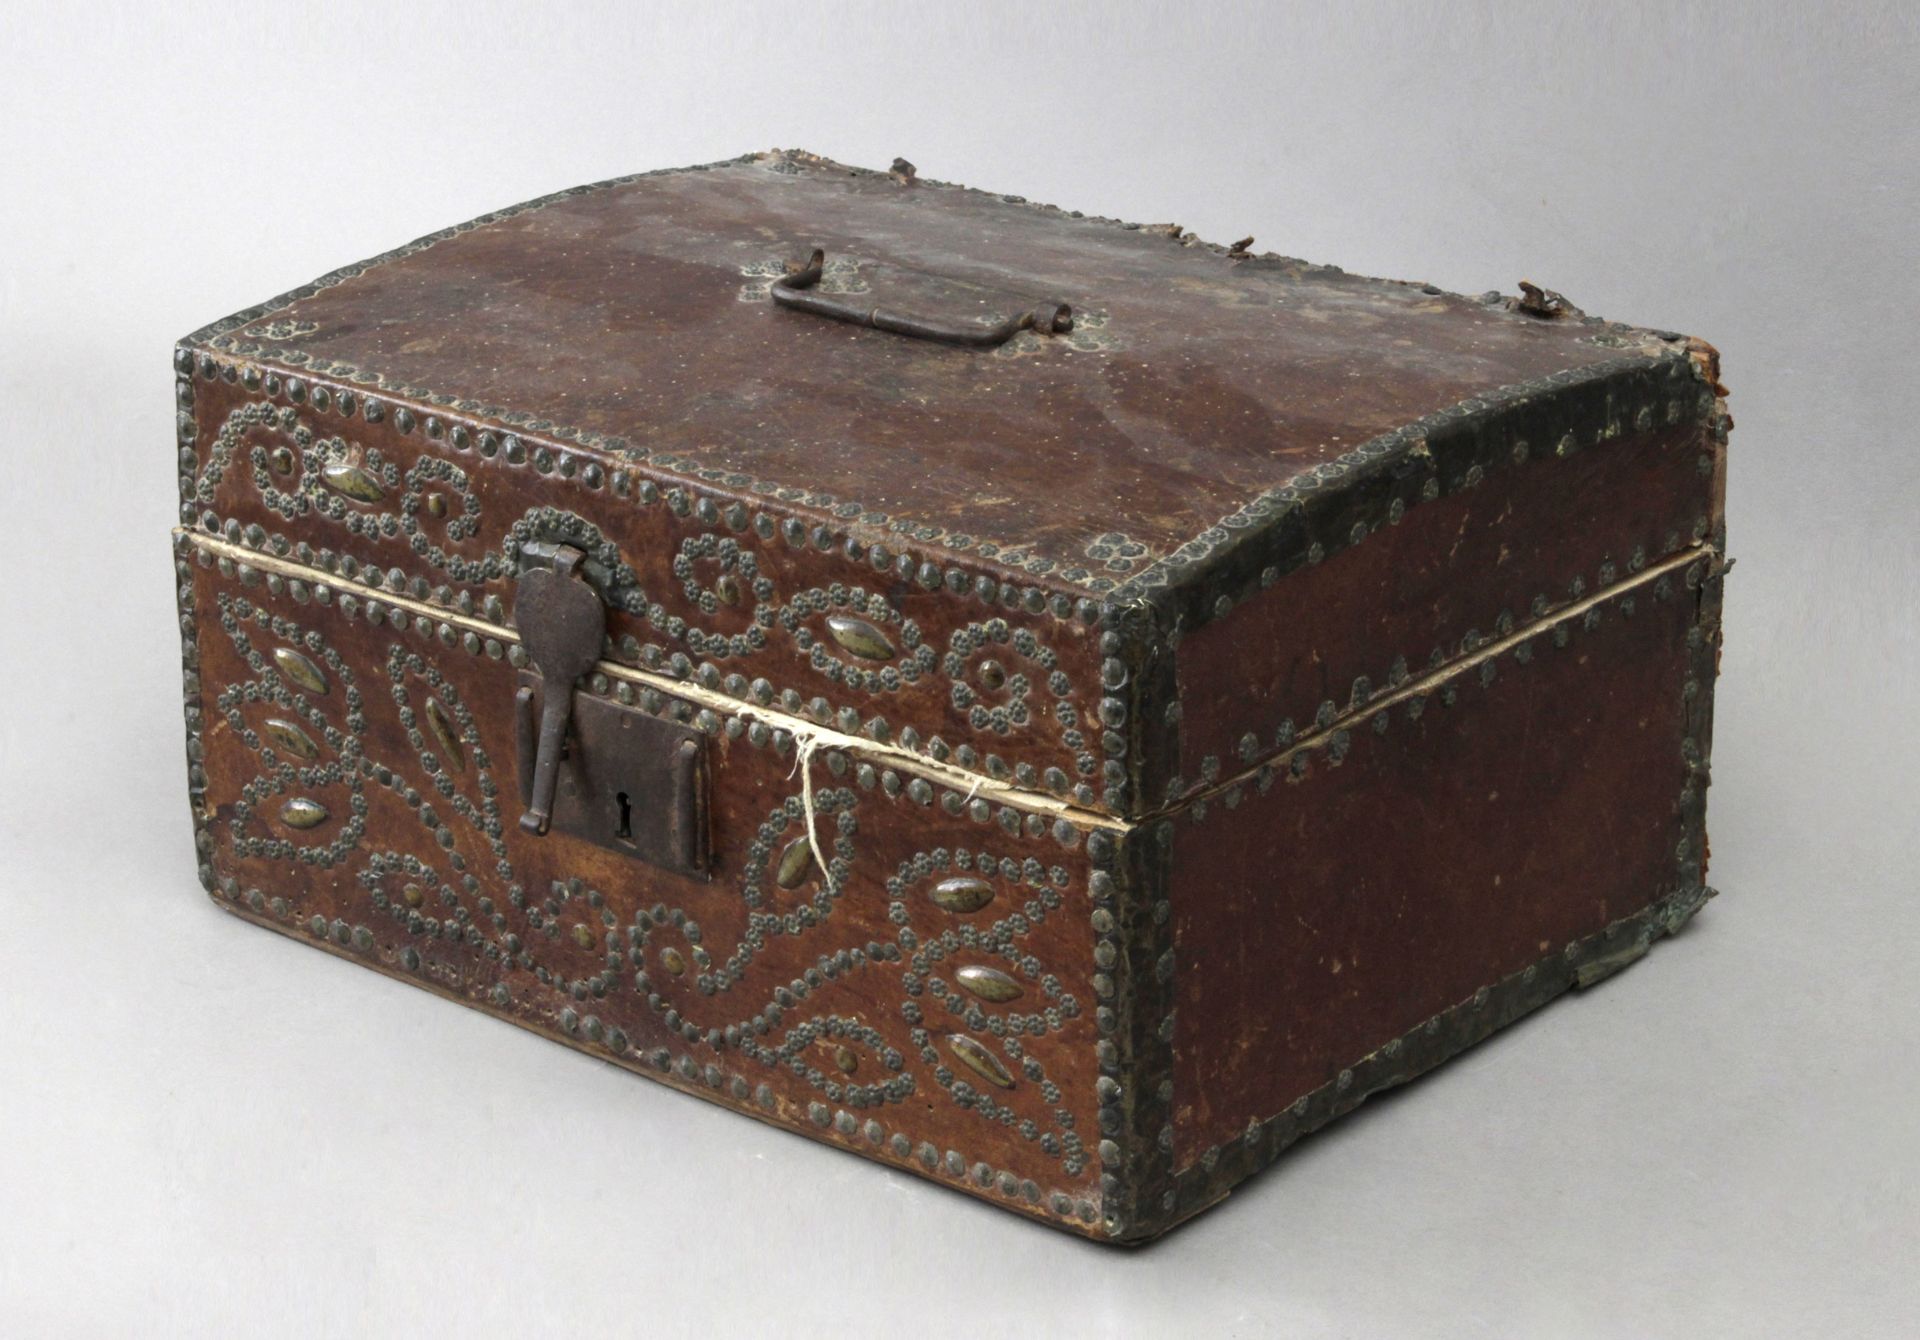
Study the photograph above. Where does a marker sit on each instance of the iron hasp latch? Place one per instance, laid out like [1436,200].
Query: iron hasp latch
[562,625]
[590,767]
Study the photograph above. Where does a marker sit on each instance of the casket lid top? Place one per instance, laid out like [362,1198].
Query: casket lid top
[637,316]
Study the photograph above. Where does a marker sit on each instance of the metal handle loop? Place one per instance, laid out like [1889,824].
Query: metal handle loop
[796,290]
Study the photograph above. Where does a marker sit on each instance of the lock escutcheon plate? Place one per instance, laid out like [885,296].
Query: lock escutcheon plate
[626,780]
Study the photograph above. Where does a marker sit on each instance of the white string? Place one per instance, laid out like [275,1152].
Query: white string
[804,762]
[807,742]
[810,738]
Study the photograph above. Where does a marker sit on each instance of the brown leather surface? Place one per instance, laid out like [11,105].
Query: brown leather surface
[798,521]
[639,310]
[551,931]
[1320,919]
[1471,564]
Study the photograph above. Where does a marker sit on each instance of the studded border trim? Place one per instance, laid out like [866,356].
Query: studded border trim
[856,760]
[1582,963]
[1692,568]
[1095,773]
[556,448]
[1340,504]
[836,1128]
[1157,1195]
[1369,703]
[923,778]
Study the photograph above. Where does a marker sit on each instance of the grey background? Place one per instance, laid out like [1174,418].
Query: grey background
[205,1129]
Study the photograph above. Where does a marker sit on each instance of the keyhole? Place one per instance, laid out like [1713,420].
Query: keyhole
[625,831]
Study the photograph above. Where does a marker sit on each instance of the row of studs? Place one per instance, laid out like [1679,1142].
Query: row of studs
[735,515]
[757,733]
[1703,642]
[192,708]
[492,828]
[1295,768]
[1427,1045]
[557,460]
[355,600]
[1251,747]
[1294,763]
[1685,394]
[361,938]
[687,1071]
[1119,1068]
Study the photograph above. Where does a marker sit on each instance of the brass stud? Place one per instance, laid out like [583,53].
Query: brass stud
[291,738]
[413,895]
[993,675]
[301,670]
[846,1060]
[859,637]
[671,960]
[350,481]
[988,984]
[979,1060]
[962,894]
[442,727]
[795,862]
[282,461]
[436,504]
[301,812]
[582,935]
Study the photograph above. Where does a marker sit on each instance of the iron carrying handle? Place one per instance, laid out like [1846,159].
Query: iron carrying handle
[795,290]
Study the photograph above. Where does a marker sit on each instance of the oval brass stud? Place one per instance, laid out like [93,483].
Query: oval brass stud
[291,738]
[582,935]
[300,670]
[350,481]
[988,983]
[671,960]
[979,1060]
[413,895]
[993,675]
[962,894]
[303,813]
[436,504]
[846,1060]
[860,637]
[795,862]
[727,589]
[282,461]
[442,727]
